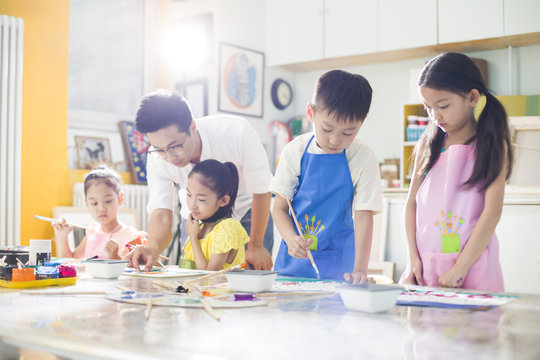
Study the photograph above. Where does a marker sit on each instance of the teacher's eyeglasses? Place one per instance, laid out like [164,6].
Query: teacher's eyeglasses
[173,150]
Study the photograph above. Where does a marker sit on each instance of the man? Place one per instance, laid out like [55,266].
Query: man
[178,143]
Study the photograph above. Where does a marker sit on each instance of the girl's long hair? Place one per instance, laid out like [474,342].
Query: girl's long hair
[457,73]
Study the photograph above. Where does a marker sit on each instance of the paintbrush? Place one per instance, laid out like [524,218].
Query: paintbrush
[148,308]
[59,222]
[131,246]
[231,268]
[302,234]
[209,310]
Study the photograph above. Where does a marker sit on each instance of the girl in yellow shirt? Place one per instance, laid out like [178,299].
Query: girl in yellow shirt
[215,239]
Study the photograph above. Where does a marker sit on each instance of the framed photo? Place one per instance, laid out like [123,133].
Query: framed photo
[92,151]
[241,80]
[135,146]
[196,93]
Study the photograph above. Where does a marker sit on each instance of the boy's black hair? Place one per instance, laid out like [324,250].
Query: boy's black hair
[162,109]
[345,95]
[222,178]
[103,174]
[458,74]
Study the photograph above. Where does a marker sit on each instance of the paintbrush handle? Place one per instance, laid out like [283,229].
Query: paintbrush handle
[165,284]
[209,309]
[51,220]
[302,234]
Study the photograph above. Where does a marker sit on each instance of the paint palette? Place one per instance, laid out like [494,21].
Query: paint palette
[180,300]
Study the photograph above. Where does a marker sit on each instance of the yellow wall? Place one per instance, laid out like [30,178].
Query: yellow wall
[45,174]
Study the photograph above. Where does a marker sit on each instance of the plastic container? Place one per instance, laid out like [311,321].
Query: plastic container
[11,256]
[24,274]
[251,280]
[106,268]
[370,298]
[39,251]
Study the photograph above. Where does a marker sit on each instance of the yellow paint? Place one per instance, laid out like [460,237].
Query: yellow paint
[45,175]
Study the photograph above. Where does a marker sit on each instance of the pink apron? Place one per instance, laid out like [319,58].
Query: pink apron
[446,215]
[96,240]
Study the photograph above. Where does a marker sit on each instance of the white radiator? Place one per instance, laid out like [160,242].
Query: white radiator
[11,52]
[135,196]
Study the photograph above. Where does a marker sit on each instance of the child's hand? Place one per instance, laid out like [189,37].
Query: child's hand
[61,229]
[298,246]
[357,277]
[192,227]
[453,278]
[415,273]
[111,247]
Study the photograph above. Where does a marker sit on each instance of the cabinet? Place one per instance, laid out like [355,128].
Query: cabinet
[350,27]
[294,31]
[519,244]
[406,163]
[465,20]
[407,24]
[521,17]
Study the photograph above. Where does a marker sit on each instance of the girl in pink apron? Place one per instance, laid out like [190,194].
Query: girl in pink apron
[107,238]
[456,194]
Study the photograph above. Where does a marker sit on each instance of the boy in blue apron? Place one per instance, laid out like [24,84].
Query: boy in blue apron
[328,175]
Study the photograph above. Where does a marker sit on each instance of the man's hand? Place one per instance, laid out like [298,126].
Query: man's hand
[258,257]
[142,255]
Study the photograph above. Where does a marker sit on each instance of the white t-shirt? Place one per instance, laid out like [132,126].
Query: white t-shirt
[363,165]
[223,138]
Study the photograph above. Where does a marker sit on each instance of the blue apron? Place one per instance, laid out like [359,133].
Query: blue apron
[323,207]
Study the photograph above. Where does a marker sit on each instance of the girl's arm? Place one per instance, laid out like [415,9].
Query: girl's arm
[215,262]
[481,235]
[363,236]
[297,244]
[79,250]
[415,271]
[61,232]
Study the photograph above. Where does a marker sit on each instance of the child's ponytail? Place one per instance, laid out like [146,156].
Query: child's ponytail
[493,143]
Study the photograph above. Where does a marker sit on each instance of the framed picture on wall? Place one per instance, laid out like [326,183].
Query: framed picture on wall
[92,151]
[136,146]
[196,93]
[241,80]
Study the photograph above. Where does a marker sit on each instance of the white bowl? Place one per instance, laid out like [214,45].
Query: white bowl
[105,268]
[251,280]
[370,298]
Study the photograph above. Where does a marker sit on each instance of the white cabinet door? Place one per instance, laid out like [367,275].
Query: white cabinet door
[294,31]
[521,16]
[407,24]
[350,27]
[463,20]
[519,242]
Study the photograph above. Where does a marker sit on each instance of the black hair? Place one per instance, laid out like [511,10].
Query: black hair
[221,178]
[346,95]
[103,174]
[457,73]
[162,109]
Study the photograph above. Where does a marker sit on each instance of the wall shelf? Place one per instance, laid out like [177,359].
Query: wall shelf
[414,53]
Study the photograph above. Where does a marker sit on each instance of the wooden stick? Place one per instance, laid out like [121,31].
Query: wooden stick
[165,284]
[41,292]
[59,222]
[242,265]
[123,288]
[148,308]
[301,233]
[209,309]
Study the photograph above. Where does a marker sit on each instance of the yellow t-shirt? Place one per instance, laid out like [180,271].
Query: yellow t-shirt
[226,235]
